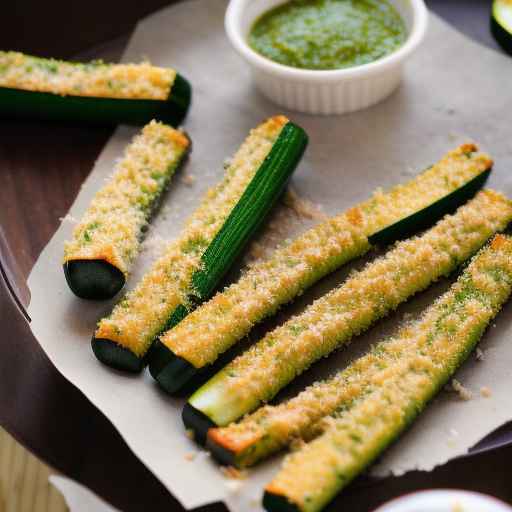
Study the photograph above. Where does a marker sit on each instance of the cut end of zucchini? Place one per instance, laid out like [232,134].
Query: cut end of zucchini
[169,370]
[93,279]
[427,216]
[278,503]
[197,422]
[501,24]
[221,453]
[116,356]
[178,102]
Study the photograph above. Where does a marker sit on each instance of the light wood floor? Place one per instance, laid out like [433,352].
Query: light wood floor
[24,485]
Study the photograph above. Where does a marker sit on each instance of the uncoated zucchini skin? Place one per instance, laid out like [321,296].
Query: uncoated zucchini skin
[24,104]
[260,194]
[326,234]
[423,219]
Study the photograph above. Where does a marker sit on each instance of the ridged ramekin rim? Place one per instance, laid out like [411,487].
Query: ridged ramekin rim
[232,22]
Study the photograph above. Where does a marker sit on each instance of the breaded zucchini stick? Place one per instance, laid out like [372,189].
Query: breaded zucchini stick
[214,235]
[36,87]
[107,239]
[331,321]
[229,316]
[442,340]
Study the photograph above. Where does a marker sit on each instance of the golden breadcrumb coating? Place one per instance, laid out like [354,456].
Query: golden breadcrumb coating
[92,79]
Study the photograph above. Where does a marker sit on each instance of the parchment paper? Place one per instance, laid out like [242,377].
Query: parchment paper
[453,90]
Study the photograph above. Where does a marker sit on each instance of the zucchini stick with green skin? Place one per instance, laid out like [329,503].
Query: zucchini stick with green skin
[501,23]
[106,241]
[331,321]
[34,87]
[274,427]
[213,237]
[443,338]
[197,342]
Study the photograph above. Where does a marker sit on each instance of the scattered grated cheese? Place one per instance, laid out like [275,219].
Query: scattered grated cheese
[303,207]
[233,473]
[485,391]
[155,245]
[188,179]
[94,79]
[68,218]
[463,392]
[480,356]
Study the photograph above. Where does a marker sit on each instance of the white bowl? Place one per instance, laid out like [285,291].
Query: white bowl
[318,91]
[447,500]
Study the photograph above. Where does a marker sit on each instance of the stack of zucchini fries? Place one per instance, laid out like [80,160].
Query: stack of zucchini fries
[176,321]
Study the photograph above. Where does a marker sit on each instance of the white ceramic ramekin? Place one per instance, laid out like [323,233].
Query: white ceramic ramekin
[445,500]
[330,91]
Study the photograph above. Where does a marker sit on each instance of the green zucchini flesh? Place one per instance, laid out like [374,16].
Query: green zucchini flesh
[439,196]
[501,23]
[331,321]
[248,212]
[443,338]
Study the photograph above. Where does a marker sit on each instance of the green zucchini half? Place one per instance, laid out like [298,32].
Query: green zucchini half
[17,103]
[94,92]
[501,23]
[173,372]
[245,218]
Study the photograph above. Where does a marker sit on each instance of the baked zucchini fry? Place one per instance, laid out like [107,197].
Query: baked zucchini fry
[105,243]
[331,321]
[273,427]
[33,87]
[443,339]
[501,23]
[213,237]
[196,343]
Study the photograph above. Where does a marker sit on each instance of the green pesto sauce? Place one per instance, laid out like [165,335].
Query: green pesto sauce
[328,34]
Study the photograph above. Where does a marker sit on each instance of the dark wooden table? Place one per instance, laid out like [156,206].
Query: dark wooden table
[42,167]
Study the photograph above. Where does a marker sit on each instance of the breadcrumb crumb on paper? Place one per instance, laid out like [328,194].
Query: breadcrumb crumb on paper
[463,392]
[303,207]
[190,456]
[188,179]
[154,245]
[68,218]
[233,473]
[480,356]
[485,391]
